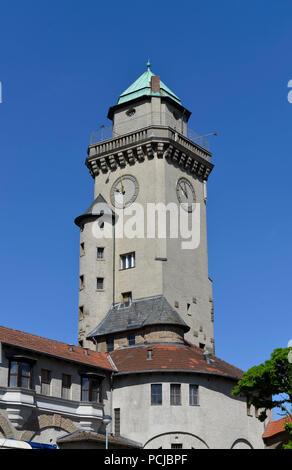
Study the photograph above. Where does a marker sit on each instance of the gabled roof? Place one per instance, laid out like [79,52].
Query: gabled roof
[171,357]
[97,208]
[276,427]
[142,312]
[53,348]
[142,86]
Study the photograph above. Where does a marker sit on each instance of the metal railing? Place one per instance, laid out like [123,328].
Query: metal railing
[104,133]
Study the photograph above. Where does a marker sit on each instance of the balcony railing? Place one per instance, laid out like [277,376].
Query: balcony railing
[104,133]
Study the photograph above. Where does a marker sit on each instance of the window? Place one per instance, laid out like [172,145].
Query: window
[175,395]
[19,374]
[176,446]
[131,340]
[81,282]
[193,395]
[81,311]
[117,418]
[66,386]
[82,249]
[100,253]
[156,394]
[110,344]
[45,381]
[131,112]
[90,389]
[127,299]
[128,260]
[99,283]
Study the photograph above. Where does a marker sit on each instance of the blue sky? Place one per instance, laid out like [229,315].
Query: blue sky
[62,64]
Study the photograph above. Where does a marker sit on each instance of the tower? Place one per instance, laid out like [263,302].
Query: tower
[145,287]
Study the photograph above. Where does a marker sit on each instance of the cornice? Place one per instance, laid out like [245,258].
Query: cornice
[148,143]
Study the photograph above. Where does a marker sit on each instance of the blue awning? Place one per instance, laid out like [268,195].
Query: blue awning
[36,445]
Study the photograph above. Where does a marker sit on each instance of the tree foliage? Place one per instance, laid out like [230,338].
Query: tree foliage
[269,385]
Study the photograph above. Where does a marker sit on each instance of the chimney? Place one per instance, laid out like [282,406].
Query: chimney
[155,84]
[208,356]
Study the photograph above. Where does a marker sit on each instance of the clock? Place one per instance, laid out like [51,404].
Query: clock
[185,194]
[124,191]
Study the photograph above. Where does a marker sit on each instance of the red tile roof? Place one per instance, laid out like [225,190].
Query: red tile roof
[171,357]
[53,348]
[276,427]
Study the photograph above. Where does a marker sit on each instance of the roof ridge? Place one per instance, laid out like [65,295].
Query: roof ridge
[49,339]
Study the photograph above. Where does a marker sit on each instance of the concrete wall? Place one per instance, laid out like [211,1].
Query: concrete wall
[219,421]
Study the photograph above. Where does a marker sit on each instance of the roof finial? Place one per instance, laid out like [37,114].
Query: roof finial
[148,64]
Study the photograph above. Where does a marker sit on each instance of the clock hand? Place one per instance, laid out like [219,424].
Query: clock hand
[183,191]
[123,188]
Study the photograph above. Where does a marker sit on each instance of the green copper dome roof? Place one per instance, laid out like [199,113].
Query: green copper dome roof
[142,86]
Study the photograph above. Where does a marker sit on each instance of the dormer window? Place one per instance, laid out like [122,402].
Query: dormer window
[131,112]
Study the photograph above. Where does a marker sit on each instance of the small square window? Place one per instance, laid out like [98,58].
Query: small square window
[127,298]
[99,283]
[128,260]
[176,446]
[100,253]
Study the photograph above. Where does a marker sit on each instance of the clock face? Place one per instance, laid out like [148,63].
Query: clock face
[185,194]
[124,191]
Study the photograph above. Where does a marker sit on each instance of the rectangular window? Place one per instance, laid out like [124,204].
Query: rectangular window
[110,344]
[19,374]
[131,340]
[128,260]
[117,421]
[193,395]
[100,253]
[127,299]
[156,394]
[82,249]
[66,386]
[81,282]
[99,283]
[90,389]
[176,446]
[45,381]
[175,395]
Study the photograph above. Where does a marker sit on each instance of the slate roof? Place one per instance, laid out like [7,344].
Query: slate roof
[174,357]
[142,312]
[54,348]
[97,208]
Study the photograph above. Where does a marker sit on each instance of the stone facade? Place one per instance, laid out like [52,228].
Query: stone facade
[164,387]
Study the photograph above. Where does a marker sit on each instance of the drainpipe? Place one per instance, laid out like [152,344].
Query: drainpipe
[114,258]
[111,401]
